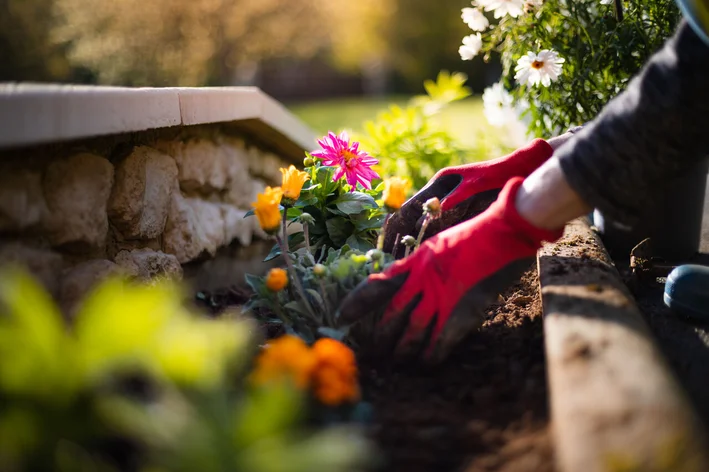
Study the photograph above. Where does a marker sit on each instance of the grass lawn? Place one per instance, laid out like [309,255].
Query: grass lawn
[464,119]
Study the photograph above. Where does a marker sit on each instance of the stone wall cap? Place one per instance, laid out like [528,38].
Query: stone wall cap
[33,114]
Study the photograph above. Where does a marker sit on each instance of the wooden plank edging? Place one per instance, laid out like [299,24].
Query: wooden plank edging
[615,405]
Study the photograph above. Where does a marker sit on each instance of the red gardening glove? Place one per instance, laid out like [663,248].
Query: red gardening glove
[465,191]
[437,295]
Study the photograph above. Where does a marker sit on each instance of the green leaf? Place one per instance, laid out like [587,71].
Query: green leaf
[337,334]
[339,230]
[353,203]
[297,306]
[316,296]
[363,222]
[256,283]
[359,243]
[293,240]
[293,213]
[303,202]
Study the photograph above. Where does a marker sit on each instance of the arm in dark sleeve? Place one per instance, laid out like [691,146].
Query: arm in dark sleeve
[653,131]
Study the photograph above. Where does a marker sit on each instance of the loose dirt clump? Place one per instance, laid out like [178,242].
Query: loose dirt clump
[484,409]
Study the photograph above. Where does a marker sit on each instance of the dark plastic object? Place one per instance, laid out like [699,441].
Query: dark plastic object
[674,224]
[687,291]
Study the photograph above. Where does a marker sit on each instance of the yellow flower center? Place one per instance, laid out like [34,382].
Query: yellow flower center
[347,155]
[537,64]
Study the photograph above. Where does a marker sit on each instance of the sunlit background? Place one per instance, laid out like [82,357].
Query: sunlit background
[310,54]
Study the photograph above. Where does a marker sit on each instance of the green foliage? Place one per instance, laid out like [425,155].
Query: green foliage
[341,217]
[408,141]
[326,280]
[138,382]
[601,54]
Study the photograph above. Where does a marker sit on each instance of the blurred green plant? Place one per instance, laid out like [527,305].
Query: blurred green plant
[138,382]
[408,141]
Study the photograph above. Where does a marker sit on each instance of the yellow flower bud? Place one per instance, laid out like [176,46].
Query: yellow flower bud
[276,280]
[395,189]
[293,180]
[267,210]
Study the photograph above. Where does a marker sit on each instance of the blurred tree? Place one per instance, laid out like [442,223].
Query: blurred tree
[25,48]
[178,42]
[423,37]
[414,39]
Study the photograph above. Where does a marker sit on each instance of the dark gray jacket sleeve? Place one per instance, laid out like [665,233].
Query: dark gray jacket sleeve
[655,130]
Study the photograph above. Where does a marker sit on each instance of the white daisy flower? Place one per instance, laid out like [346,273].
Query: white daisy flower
[471,46]
[607,2]
[514,8]
[497,104]
[475,19]
[543,68]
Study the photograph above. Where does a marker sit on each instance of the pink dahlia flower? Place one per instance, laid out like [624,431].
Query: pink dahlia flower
[354,164]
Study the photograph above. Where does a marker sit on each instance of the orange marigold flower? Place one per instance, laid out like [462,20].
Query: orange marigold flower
[287,358]
[267,210]
[276,280]
[394,194]
[293,180]
[335,373]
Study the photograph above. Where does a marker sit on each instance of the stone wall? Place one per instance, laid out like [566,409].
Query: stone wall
[141,204]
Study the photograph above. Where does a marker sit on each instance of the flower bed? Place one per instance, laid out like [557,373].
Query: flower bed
[484,409]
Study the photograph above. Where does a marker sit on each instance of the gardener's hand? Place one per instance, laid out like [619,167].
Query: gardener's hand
[466,191]
[436,296]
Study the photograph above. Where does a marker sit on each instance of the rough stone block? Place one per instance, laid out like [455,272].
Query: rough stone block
[265,165]
[239,181]
[22,204]
[236,226]
[77,190]
[193,227]
[141,195]
[201,163]
[148,264]
[45,265]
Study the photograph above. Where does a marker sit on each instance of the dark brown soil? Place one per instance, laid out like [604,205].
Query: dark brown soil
[484,409]
[216,301]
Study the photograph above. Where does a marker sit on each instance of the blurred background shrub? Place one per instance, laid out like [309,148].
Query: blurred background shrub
[137,382]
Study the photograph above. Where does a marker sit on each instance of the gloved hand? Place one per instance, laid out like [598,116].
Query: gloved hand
[466,191]
[438,294]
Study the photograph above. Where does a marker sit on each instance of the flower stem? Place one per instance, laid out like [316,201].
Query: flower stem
[294,278]
[407,251]
[279,312]
[284,246]
[328,314]
[424,226]
[382,234]
[396,244]
[306,234]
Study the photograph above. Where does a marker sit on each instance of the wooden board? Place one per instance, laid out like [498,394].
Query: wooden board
[614,402]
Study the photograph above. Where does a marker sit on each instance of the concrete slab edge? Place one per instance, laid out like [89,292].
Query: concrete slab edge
[32,114]
[615,404]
